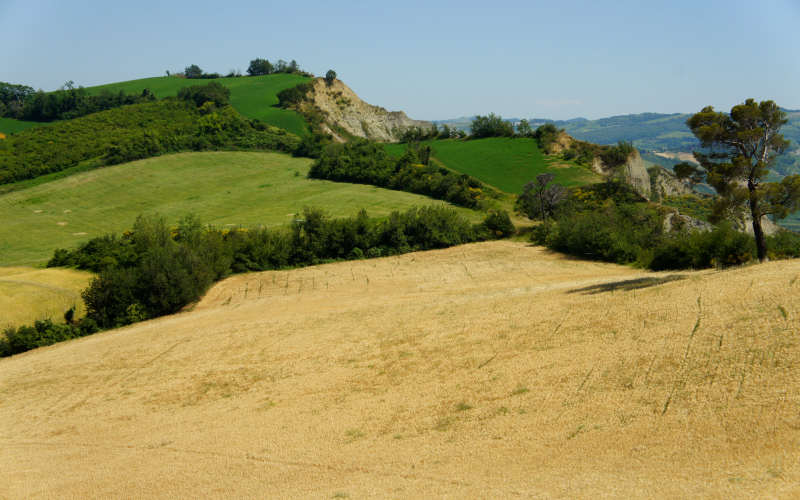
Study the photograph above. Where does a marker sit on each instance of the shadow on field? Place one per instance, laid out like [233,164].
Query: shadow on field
[628,284]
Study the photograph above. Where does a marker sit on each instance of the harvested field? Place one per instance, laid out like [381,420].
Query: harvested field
[492,370]
[28,294]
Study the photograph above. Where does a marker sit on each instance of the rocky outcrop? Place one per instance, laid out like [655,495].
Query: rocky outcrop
[632,172]
[769,227]
[346,114]
[664,183]
[675,221]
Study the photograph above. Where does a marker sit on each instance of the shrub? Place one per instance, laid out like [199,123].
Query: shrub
[491,126]
[721,247]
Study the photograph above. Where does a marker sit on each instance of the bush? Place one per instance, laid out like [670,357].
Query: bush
[214,92]
[783,245]
[721,247]
[491,126]
[622,230]
[24,338]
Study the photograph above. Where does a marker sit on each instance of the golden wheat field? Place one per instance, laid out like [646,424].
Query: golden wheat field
[28,294]
[492,370]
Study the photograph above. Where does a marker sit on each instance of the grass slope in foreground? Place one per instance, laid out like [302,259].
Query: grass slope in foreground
[27,294]
[222,188]
[252,96]
[505,163]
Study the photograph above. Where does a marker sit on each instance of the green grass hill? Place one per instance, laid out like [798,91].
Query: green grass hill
[222,188]
[505,163]
[252,96]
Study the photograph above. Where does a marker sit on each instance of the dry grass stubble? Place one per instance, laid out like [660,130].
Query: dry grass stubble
[487,370]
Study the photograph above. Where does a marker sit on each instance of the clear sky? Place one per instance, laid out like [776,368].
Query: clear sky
[434,59]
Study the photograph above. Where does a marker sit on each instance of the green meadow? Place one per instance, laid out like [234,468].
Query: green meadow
[222,188]
[10,125]
[252,96]
[505,163]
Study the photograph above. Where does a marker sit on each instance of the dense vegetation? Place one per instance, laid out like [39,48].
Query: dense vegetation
[609,222]
[156,269]
[366,162]
[138,131]
[21,103]
[15,340]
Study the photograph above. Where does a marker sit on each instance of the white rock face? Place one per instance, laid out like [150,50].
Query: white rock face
[665,183]
[344,110]
[634,173]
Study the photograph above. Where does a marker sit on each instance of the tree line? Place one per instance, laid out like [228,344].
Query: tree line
[257,67]
[156,269]
[23,103]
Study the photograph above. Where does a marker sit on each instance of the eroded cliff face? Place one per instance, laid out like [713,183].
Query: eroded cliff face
[633,172]
[664,183]
[345,113]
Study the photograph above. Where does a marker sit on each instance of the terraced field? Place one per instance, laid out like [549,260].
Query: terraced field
[222,188]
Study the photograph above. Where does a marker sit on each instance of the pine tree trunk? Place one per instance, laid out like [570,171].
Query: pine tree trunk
[758,232]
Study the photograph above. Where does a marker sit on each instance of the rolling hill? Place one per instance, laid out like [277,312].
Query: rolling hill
[493,370]
[222,188]
[252,96]
[507,164]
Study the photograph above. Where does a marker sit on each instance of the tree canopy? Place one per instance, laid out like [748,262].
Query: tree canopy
[739,149]
[259,67]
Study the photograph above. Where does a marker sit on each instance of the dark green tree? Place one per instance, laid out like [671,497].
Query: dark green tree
[259,67]
[740,148]
[491,126]
[193,71]
[330,76]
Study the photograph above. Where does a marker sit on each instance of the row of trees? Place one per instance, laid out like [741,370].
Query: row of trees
[257,67]
[156,269]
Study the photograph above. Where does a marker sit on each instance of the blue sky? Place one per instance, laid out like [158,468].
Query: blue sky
[434,59]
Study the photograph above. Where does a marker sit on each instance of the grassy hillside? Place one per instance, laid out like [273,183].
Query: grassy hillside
[28,294]
[507,164]
[132,132]
[10,126]
[254,97]
[221,188]
[494,370]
